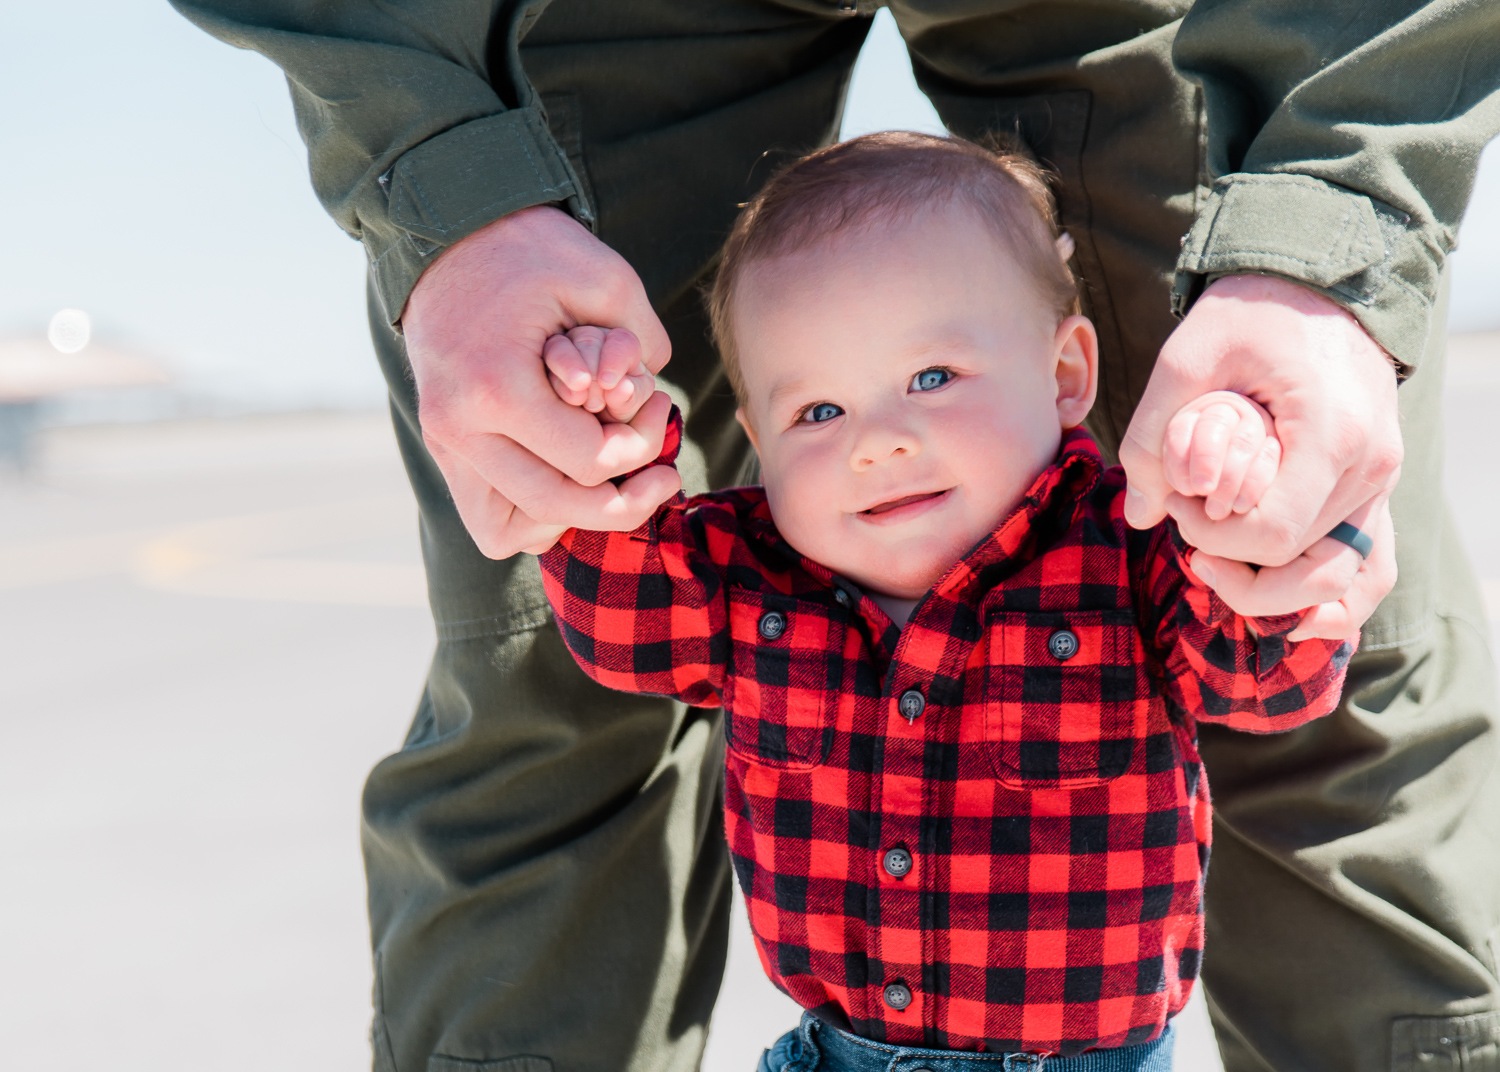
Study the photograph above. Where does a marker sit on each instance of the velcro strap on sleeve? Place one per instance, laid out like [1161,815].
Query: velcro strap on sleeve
[455,183]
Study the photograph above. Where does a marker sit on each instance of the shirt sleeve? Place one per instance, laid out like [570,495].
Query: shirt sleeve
[420,125]
[645,611]
[1219,666]
[1342,143]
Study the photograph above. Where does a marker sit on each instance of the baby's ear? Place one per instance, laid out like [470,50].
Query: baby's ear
[1076,347]
[740,415]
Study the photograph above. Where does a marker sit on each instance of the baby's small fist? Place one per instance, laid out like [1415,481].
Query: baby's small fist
[600,370]
[1222,446]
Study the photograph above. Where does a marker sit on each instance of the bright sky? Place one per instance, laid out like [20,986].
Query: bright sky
[156,180]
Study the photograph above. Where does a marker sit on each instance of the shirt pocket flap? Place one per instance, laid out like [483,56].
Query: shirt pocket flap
[784,667]
[1067,696]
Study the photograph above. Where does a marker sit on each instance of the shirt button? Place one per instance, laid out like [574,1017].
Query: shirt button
[897,996]
[897,862]
[772,624]
[1063,644]
[911,704]
[841,597]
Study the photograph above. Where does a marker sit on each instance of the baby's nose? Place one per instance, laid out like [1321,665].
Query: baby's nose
[883,441]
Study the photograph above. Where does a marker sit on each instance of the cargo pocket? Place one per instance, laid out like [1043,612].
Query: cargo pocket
[784,666]
[1067,697]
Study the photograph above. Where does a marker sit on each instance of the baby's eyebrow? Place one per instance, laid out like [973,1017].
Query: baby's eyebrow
[782,389]
[948,343]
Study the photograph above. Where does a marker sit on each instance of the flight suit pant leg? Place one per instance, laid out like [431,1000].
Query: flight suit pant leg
[1354,892]
[548,882]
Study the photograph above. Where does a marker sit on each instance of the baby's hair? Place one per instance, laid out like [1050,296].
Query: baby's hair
[892,175]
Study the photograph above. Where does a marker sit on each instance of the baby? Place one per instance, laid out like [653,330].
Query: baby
[963,797]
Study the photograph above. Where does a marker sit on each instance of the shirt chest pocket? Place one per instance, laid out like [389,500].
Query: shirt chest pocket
[1067,696]
[785,669]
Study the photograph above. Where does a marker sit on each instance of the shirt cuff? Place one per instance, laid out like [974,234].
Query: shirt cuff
[1361,253]
[451,185]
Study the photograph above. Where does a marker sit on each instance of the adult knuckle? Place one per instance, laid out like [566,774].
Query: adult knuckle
[1282,540]
[1386,458]
[435,414]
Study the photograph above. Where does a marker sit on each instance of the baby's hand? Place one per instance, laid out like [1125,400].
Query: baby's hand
[1222,446]
[600,370]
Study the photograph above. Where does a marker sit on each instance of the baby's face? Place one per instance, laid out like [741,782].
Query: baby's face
[905,386]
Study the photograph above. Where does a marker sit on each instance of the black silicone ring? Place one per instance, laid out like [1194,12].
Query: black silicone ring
[1347,534]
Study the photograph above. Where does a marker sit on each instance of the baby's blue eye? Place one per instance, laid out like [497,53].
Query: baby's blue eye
[930,379]
[820,412]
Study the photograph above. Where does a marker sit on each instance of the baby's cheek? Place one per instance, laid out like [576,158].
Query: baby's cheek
[803,506]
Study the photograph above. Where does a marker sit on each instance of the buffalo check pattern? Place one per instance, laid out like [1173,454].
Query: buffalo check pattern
[1028,741]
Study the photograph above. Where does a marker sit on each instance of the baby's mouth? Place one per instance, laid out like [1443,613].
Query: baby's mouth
[904,501]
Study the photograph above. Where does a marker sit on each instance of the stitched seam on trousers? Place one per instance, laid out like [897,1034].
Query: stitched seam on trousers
[1401,635]
[491,627]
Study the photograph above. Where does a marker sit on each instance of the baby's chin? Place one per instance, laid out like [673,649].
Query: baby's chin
[886,574]
[900,565]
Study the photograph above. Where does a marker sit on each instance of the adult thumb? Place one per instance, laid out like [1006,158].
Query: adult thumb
[1146,487]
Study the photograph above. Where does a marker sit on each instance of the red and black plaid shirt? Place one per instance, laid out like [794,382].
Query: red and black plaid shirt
[1026,744]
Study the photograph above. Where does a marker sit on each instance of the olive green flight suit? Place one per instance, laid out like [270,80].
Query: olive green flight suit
[548,887]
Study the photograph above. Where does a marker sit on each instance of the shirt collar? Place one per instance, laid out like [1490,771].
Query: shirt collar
[1049,507]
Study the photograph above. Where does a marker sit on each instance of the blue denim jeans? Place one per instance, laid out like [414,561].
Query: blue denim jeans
[816,1047]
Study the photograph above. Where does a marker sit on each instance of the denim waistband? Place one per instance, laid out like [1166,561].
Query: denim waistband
[827,1049]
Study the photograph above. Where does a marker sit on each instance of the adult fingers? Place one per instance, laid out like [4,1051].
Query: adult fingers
[549,497]
[498,529]
[1287,520]
[1327,572]
[569,439]
[547,494]
[1147,486]
[1341,618]
[1321,574]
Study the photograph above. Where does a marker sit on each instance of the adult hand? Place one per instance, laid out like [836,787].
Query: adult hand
[523,465]
[1331,393]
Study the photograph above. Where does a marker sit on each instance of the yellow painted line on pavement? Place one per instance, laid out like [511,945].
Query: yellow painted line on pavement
[32,565]
[250,556]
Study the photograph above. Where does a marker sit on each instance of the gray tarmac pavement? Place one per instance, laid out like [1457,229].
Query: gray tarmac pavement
[209,631]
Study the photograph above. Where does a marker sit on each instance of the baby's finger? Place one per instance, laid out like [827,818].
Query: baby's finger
[619,357]
[1177,448]
[590,341]
[1239,453]
[567,371]
[1216,426]
[1259,476]
[625,399]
